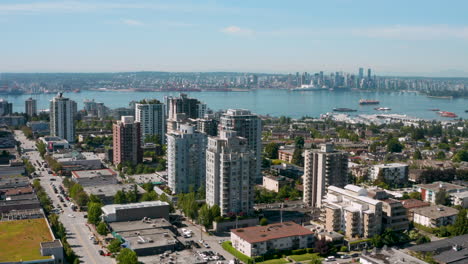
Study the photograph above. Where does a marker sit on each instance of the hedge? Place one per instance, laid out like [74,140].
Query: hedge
[227,245]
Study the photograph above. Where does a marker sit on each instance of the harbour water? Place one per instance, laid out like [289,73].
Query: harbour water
[277,102]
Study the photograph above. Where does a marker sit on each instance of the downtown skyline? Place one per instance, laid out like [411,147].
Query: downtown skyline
[420,38]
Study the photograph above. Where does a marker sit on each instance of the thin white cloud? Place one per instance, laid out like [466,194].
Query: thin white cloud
[74,6]
[413,32]
[132,22]
[235,30]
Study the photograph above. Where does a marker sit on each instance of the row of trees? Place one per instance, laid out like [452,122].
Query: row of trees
[204,214]
[57,227]
[286,192]
[76,192]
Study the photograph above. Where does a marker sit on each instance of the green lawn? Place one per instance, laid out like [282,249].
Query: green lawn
[20,240]
[307,256]
[274,261]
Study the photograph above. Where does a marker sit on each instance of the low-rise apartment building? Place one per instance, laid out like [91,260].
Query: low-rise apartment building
[275,183]
[260,240]
[394,215]
[286,155]
[429,191]
[349,210]
[435,216]
[393,173]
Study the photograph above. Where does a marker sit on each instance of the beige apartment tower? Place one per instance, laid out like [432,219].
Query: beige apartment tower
[323,167]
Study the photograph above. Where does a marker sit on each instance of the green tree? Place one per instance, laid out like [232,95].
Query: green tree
[132,195]
[460,156]
[440,155]
[155,139]
[102,229]
[271,150]
[393,145]
[263,221]
[127,256]
[297,158]
[415,195]
[148,186]
[460,227]
[149,196]
[41,147]
[94,199]
[204,216]
[417,155]
[422,240]
[442,197]
[94,213]
[299,142]
[120,197]
[114,246]
[215,211]
[81,198]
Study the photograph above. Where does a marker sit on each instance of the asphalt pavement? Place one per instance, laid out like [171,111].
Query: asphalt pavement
[78,232]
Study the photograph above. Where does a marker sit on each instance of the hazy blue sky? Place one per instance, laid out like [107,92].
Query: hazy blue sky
[410,36]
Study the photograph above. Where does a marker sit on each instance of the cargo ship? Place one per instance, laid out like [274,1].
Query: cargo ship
[368,102]
[447,114]
[344,109]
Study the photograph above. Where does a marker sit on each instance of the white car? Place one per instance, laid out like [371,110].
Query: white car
[72,216]
[330,258]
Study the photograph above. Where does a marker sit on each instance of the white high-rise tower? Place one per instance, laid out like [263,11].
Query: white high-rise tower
[150,114]
[186,161]
[230,171]
[62,118]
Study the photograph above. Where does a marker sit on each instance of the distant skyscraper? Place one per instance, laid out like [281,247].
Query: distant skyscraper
[127,141]
[62,118]
[186,160]
[323,168]
[249,126]
[6,108]
[150,115]
[230,168]
[361,73]
[30,106]
[369,74]
[181,108]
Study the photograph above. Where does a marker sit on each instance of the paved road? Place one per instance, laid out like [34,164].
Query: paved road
[77,231]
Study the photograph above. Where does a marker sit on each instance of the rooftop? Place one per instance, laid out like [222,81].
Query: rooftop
[390,256]
[55,140]
[413,203]
[460,195]
[355,196]
[128,226]
[18,191]
[93,173]
[449,250]
[436,211]
[257,234]
[436,186]
[110,189]
[110,209]
[21,240]
[391,165]
[51,244]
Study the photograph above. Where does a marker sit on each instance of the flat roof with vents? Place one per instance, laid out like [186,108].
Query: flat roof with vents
[257,234]
[110,209]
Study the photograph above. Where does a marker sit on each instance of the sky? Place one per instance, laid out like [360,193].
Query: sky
[427,38]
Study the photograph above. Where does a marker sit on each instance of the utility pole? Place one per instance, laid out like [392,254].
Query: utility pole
[281,213]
